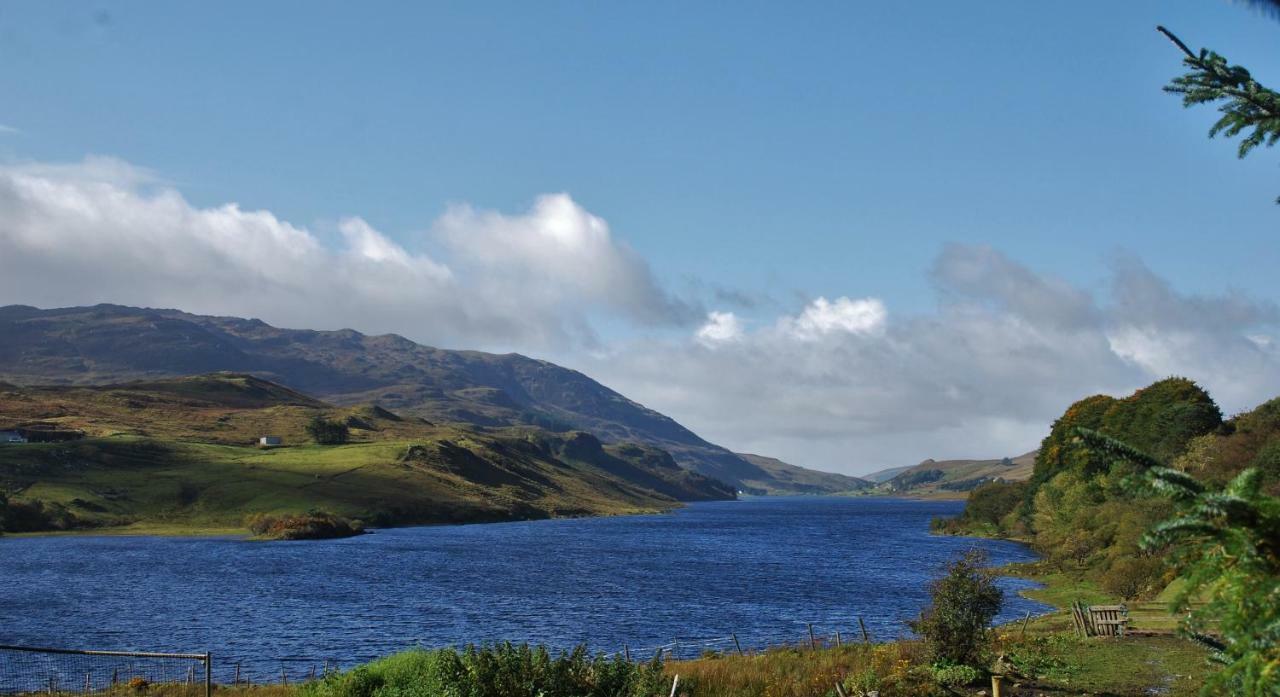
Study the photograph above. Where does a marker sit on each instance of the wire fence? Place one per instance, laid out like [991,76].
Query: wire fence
[27,670]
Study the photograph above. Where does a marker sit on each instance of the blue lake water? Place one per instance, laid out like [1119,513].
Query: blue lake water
[761,568]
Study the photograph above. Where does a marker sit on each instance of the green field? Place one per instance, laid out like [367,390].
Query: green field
[176,457]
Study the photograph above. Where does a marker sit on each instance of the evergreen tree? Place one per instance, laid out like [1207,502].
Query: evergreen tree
[1245,104]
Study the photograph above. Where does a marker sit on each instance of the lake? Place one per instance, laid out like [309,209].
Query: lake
[761,568]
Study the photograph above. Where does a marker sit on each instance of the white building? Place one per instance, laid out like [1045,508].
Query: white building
[270,440]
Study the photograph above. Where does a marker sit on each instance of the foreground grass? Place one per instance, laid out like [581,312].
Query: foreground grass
[1047,657]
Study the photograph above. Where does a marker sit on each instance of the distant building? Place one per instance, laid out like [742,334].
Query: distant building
[12,437]
[270,440]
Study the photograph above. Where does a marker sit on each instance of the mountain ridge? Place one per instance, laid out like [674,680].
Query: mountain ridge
[114,343]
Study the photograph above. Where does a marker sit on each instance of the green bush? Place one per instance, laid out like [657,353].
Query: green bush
[965,600]
[953,675]
[506,669]
[1131,577]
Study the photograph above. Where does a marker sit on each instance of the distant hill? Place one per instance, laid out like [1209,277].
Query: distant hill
[956,478]
[800,480]
[177,452]
[885,475]
[112,344]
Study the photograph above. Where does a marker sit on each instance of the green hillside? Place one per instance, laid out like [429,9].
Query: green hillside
[955,478]
[179,454]
[112,344]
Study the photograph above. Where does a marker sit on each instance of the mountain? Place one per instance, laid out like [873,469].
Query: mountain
[112,343]
[956,478]
[174,452]
[801,480]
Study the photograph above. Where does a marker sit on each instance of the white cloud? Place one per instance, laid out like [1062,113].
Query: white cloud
[559,253]
[719,328]
[8,130]
[840,384]
[822,317]
[103,230]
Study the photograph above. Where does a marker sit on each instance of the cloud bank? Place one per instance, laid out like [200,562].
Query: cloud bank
[105,231]
[844,384]
[836,382]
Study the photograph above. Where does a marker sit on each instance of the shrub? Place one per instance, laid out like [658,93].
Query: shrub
[964,601]
[313,525]
[510,670]
[1132,576]
[953,675]
[326,432]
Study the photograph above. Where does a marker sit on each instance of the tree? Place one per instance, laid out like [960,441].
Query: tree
[1246,105]
[964,602]
[1227,545]
[326,432]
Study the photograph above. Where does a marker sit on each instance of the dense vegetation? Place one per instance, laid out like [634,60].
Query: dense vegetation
[503,669]
[1077,509]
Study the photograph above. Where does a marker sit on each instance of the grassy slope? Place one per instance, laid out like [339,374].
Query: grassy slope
[958,477]
[173,455]
[109,343]
[786,478]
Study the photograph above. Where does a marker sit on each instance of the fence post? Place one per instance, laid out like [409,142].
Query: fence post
[675,682]
[208,674]
[813,642]
[736,645]
[838,643]
[626,652]
[866,638]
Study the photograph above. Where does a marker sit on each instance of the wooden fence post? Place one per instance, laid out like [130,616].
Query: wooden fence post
[1023,635]
[866,638]
[208,674]
[736,645]
[813,642]
[626,652]
[838,643]
[675,682]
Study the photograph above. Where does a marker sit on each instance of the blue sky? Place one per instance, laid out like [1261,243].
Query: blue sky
[827,150]
[746,158]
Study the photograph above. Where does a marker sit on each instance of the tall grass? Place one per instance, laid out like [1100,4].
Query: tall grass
[506,669]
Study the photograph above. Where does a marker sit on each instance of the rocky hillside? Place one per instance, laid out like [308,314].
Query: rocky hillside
[111,344]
